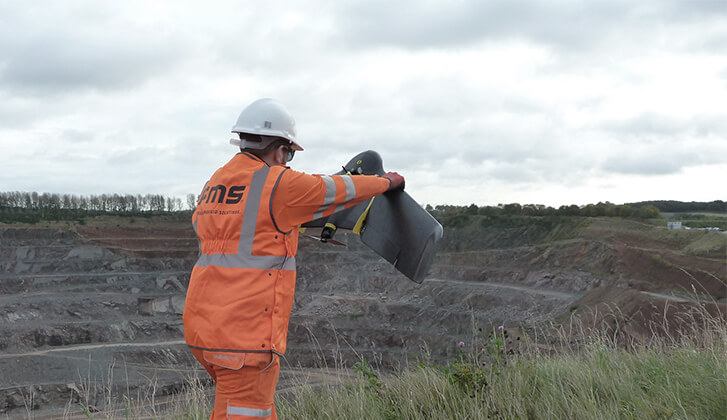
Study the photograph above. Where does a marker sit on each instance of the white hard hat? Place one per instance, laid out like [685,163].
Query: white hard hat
[268,119]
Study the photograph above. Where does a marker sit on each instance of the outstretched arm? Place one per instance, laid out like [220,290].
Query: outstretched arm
[301,197]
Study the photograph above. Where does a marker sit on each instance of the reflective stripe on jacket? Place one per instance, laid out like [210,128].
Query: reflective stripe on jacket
[241,290]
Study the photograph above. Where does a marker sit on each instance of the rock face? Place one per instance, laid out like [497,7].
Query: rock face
[99,307]
[74,314]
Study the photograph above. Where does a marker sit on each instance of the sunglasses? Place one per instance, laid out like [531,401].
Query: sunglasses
[291,153]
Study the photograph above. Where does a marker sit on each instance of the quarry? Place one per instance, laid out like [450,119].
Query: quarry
[90,308]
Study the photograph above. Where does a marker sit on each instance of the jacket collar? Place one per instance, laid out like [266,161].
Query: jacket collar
[253,157]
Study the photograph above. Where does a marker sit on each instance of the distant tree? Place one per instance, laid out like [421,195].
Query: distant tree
[192,202]
[625,210]
[572,210]
[647,212]
[170,204]
[490,211]
[592,210]
[157,202]
[672,206]
[132,203]
[532,210]
[512,209]
[472,209]
[611,210]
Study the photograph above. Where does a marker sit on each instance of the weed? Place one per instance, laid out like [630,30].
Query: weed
[367,373]
[473,371]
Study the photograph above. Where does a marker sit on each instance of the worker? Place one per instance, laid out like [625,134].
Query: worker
[240,293]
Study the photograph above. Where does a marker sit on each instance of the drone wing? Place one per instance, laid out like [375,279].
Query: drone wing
[392,224]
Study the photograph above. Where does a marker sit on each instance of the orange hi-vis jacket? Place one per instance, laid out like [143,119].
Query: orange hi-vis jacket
[241,290]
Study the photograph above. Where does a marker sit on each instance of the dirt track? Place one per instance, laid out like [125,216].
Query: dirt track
[113,346]
[531,290]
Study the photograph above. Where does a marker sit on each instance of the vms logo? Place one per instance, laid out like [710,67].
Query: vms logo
[220,193]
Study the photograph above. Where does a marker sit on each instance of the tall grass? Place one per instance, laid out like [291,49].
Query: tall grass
[679,375]
[599,383]
[91,399]
[669,377]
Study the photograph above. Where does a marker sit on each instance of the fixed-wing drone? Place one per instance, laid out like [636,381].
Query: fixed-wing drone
[392,224]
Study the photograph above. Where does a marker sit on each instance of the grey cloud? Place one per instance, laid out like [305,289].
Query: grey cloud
[515,173]
[666,127]
[708,41]
[562,169]
[512,138]
[644,124]
[16,112]
[139,157]
[565,24]
[70,54]
[694,10]
[663,160]
[196,151]
[513,132]
[657,164]
[655,144]
[413,25]
[76,136]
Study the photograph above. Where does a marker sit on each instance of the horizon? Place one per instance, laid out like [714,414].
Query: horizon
[183,200]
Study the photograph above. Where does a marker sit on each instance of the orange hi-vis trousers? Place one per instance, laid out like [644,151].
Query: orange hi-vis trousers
[244,383]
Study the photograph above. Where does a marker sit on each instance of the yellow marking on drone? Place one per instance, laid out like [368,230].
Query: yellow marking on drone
[358,162]
[330,225]
[359,223]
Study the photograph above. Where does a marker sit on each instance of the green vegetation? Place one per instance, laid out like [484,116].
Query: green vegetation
[669,378]
[512,225]
[456,216]
[697,215]
[475,232]
[671,206]
[702,220]
[708,243]
[33,207]
[499,376]
[598,382]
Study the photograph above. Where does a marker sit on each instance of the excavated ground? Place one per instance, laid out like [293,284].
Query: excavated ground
[93,310]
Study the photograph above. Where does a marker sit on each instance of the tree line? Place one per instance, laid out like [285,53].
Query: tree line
[20,206]
[607,209]
[30,207]
[115,203]
[671,206]
[453,216]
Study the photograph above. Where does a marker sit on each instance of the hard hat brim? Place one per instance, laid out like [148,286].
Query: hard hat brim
[241,144]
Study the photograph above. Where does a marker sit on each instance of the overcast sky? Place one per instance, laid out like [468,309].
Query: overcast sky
[473,101]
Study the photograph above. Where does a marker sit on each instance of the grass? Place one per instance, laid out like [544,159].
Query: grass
[709,243]
[494,377]
[670,378]
[93,399]
[702,219]
[587,375]
[598,384]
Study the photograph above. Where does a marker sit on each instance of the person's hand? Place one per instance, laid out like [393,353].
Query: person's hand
[395,180]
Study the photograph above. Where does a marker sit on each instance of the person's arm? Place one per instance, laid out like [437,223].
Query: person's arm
[301,197]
